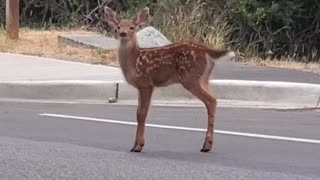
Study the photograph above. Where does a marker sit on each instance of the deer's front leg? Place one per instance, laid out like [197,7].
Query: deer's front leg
[142,111]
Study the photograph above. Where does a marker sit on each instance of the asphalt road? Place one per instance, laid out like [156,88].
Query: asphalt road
[40,147]
[239,71]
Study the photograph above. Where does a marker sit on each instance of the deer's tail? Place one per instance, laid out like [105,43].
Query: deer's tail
[216,55]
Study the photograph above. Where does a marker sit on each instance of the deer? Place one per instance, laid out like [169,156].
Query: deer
[187,63]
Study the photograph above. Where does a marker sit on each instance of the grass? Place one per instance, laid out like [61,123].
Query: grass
[45,44]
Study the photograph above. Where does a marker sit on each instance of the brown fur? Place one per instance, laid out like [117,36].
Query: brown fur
[189,64]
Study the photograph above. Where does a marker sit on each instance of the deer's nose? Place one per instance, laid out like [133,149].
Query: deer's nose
[123,34]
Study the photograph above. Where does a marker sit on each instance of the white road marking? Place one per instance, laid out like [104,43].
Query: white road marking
[262,136]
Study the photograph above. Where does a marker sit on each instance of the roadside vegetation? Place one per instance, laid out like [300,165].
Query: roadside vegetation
[283,33]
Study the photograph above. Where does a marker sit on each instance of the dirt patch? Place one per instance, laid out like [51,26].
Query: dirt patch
[45,44]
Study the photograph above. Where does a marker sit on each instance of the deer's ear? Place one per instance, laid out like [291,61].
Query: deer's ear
[142,18]
[111,17]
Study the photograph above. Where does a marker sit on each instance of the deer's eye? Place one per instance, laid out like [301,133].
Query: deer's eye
[131,28]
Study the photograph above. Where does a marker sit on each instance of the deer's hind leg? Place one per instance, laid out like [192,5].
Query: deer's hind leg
[199,90]
[199,87]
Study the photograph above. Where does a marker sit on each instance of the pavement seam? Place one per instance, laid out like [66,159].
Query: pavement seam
[318,104]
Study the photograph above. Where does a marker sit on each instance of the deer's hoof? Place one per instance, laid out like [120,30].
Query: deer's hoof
[207,146]
[137,148]
[204,150]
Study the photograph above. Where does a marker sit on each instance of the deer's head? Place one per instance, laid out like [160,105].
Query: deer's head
[125,29]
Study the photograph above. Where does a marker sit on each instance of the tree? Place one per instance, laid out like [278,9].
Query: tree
[12,19]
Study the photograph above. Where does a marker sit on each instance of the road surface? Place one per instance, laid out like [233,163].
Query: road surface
[239,71]
[36,145]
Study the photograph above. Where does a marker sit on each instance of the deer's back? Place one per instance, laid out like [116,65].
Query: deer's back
[170,64]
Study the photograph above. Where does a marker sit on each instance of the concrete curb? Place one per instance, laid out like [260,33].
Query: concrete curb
[57,89]
[297,94]
[89,41]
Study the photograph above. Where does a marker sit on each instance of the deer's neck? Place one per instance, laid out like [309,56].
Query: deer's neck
[127,54]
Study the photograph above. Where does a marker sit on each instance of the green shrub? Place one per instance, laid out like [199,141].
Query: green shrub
[2,11]
[191,20]
[283,27]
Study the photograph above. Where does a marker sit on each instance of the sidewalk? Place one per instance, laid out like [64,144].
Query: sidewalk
[28,77]
[14,67]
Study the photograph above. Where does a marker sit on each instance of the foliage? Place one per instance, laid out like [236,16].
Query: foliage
[285,28]
[2,11]
[191,20]
[51,12]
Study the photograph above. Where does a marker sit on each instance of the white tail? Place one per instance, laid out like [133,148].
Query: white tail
[189,64]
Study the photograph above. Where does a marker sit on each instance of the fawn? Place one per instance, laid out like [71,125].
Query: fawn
[189,64]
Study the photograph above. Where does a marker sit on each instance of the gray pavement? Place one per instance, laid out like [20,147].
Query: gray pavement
[30,68]
[239,71]
[37,147]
